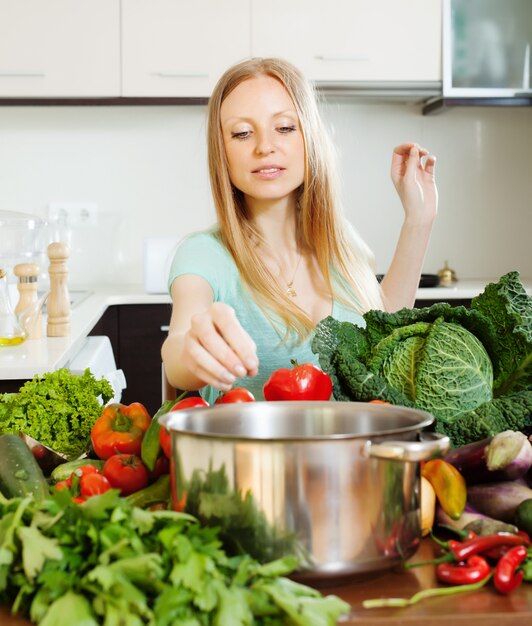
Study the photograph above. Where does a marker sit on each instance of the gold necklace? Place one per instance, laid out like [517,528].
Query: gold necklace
[290,291]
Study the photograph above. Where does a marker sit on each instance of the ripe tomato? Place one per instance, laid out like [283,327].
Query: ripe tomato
[162,466]
[302,382]
[93,484]
[126,472]
[187,403]
[238,394]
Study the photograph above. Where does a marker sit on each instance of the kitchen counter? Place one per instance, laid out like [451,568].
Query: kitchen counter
[37,356]
[485,607]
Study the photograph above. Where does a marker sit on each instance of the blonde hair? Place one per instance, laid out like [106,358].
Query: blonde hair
[320,226]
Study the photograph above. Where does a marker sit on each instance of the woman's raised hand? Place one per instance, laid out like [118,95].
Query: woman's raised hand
[217,349]
[412,174]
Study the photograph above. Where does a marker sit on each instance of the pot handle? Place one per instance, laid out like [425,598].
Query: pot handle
[432,445]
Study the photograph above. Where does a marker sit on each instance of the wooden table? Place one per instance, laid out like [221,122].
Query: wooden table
[485,607]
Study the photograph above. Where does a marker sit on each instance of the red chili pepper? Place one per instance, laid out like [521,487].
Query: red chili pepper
[484,543]
[507,578]
[473,570]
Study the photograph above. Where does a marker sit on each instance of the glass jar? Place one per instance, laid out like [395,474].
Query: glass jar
[11,332]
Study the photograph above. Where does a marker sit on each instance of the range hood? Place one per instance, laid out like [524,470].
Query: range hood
[415,92]
[486,55]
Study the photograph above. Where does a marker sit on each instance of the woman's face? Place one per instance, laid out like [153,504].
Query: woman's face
[263,140]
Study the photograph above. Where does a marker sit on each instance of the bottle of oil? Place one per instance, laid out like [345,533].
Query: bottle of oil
[11,332]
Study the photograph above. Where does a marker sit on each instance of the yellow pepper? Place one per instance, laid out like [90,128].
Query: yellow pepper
[448,484]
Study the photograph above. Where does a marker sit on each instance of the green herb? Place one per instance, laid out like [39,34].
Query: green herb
[57,409]
[107,562]
[466,366]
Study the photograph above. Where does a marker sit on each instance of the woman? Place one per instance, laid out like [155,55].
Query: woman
[248,294]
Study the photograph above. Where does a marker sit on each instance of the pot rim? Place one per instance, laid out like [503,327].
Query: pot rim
[173,421]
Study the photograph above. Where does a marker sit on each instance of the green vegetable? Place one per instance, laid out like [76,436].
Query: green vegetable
[523,516]
[151,445]
[511,412]
[159,491]
[64,470]
[107,562]
[450,361]
[20,474]
[57,409]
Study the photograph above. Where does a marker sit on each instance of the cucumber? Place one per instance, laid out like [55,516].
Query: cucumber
[63,471]
[159,491]
[20,474]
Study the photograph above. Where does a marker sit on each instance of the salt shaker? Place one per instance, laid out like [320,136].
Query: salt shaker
[28,301]
[59,298]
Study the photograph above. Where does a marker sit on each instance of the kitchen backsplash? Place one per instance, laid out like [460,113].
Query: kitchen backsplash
[145,169]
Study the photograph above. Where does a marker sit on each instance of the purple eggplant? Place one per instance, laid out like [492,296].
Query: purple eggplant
[499,500]
[505,456]
[471,519]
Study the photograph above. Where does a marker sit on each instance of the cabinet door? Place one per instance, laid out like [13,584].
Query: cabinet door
[59,48]
[179,48]
[352,40]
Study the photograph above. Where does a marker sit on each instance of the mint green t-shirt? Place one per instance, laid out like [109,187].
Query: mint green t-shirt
[202,254]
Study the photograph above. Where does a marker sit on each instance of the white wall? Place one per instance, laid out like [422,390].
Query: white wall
[145,168]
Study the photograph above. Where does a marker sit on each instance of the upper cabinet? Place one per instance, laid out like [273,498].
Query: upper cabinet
[180,48]
[59,48]
[113,49]
[352,40]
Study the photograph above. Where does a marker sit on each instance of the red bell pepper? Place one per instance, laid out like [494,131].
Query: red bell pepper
[507,578]
[120,428]
[302,382]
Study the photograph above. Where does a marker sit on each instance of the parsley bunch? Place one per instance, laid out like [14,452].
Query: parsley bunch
[107,562]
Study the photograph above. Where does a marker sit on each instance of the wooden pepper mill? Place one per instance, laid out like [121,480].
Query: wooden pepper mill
[28,274]
[59,298]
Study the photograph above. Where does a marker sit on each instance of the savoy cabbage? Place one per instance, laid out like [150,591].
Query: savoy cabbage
[450,361]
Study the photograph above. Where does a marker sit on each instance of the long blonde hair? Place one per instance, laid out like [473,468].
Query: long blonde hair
[320,226]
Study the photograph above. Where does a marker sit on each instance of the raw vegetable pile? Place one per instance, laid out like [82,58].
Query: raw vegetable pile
[470,367]
[57,409]
[106,561]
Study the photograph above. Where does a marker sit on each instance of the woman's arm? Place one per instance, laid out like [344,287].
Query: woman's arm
[206,345]
[413,176]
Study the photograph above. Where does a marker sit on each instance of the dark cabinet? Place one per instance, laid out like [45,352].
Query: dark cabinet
[137,332]
[419,304]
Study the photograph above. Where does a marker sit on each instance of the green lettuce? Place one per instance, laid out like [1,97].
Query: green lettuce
[450,361]
[57,409]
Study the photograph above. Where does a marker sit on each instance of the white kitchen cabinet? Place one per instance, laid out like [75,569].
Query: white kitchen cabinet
[179,48]
[352,40]
[59,48]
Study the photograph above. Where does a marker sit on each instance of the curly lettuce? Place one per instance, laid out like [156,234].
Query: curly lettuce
[57,409]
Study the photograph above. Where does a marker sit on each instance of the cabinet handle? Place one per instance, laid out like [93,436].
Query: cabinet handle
[165,329]
[331,59]
[179,75]
[22,74]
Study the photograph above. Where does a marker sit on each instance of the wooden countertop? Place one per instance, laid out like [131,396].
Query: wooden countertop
[484,607]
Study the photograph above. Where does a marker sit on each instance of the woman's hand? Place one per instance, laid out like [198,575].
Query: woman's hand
[412,174]
[216,349]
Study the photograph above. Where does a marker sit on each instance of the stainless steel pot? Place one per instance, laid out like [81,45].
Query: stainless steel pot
[336,483]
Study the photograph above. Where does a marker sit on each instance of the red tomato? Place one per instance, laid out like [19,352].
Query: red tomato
[120,428]
[187,403]
[93,484]
[302,382]
[126,472]
[62,484]
[238,394]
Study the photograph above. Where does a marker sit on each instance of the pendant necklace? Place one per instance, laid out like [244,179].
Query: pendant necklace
[290,291]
